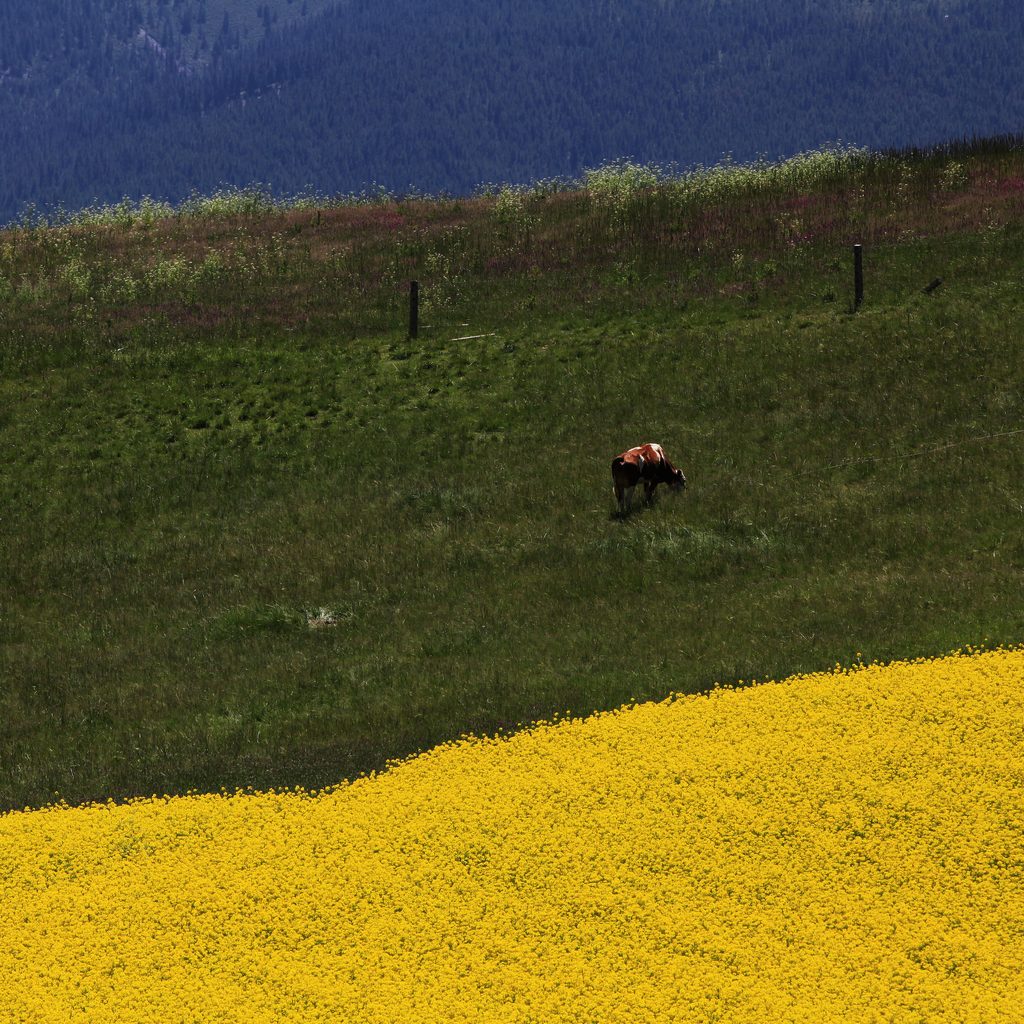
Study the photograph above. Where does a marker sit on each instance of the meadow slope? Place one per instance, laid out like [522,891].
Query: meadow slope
[252,534]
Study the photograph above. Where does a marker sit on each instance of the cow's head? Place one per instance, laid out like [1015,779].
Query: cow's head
[678,481]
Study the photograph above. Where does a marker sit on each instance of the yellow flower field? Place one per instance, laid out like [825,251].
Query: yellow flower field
[845,846]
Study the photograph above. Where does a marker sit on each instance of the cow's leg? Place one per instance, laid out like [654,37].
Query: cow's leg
[629,497]
[649,489]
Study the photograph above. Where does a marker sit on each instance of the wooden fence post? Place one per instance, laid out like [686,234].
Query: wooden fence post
[858,276]
[414,309]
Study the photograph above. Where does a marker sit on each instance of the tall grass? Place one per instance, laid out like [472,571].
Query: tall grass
[622,233]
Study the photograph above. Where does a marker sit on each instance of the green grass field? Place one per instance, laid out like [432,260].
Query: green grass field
[253,535]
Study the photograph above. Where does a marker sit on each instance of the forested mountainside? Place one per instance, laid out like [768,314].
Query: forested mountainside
[56,37]
[105,98]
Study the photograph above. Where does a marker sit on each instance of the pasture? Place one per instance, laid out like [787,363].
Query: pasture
[253,535]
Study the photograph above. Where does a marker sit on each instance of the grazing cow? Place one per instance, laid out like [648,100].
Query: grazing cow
[646,462]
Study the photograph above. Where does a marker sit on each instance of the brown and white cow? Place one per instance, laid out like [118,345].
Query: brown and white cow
[646,462]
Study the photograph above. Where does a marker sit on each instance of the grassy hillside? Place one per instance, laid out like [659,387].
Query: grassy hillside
[251,534]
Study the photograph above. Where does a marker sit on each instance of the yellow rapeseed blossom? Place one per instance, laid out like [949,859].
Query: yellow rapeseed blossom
[845,846]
